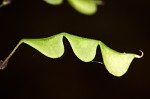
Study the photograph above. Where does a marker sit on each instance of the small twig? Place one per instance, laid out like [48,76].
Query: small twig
[3,64]
[97,62]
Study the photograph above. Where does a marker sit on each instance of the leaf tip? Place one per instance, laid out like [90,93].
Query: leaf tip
[140,56]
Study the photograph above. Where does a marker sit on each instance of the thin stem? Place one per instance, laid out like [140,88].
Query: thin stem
[4,63]
[97,62]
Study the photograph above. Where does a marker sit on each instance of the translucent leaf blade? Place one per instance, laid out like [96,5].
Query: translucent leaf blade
[84,49]
[51,47]
[116,63]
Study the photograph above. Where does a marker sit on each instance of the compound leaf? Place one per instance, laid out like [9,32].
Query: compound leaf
[116,63]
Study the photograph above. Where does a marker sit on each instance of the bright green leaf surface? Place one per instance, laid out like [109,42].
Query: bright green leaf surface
[51,47]
[54,2]
[82,47]
[116,63]
[85,49]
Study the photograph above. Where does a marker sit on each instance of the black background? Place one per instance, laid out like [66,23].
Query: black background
[121,24]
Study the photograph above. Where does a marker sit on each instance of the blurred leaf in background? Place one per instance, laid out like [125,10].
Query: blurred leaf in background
[5,2]
[54,2]
[87,7]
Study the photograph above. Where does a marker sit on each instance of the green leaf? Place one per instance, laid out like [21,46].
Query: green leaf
[87,7]
[51,47]
[82,47]
[116,63]
[54,2]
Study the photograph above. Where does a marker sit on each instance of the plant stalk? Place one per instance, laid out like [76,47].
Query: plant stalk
[4,63]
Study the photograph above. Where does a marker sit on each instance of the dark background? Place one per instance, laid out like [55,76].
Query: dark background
[121,24]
